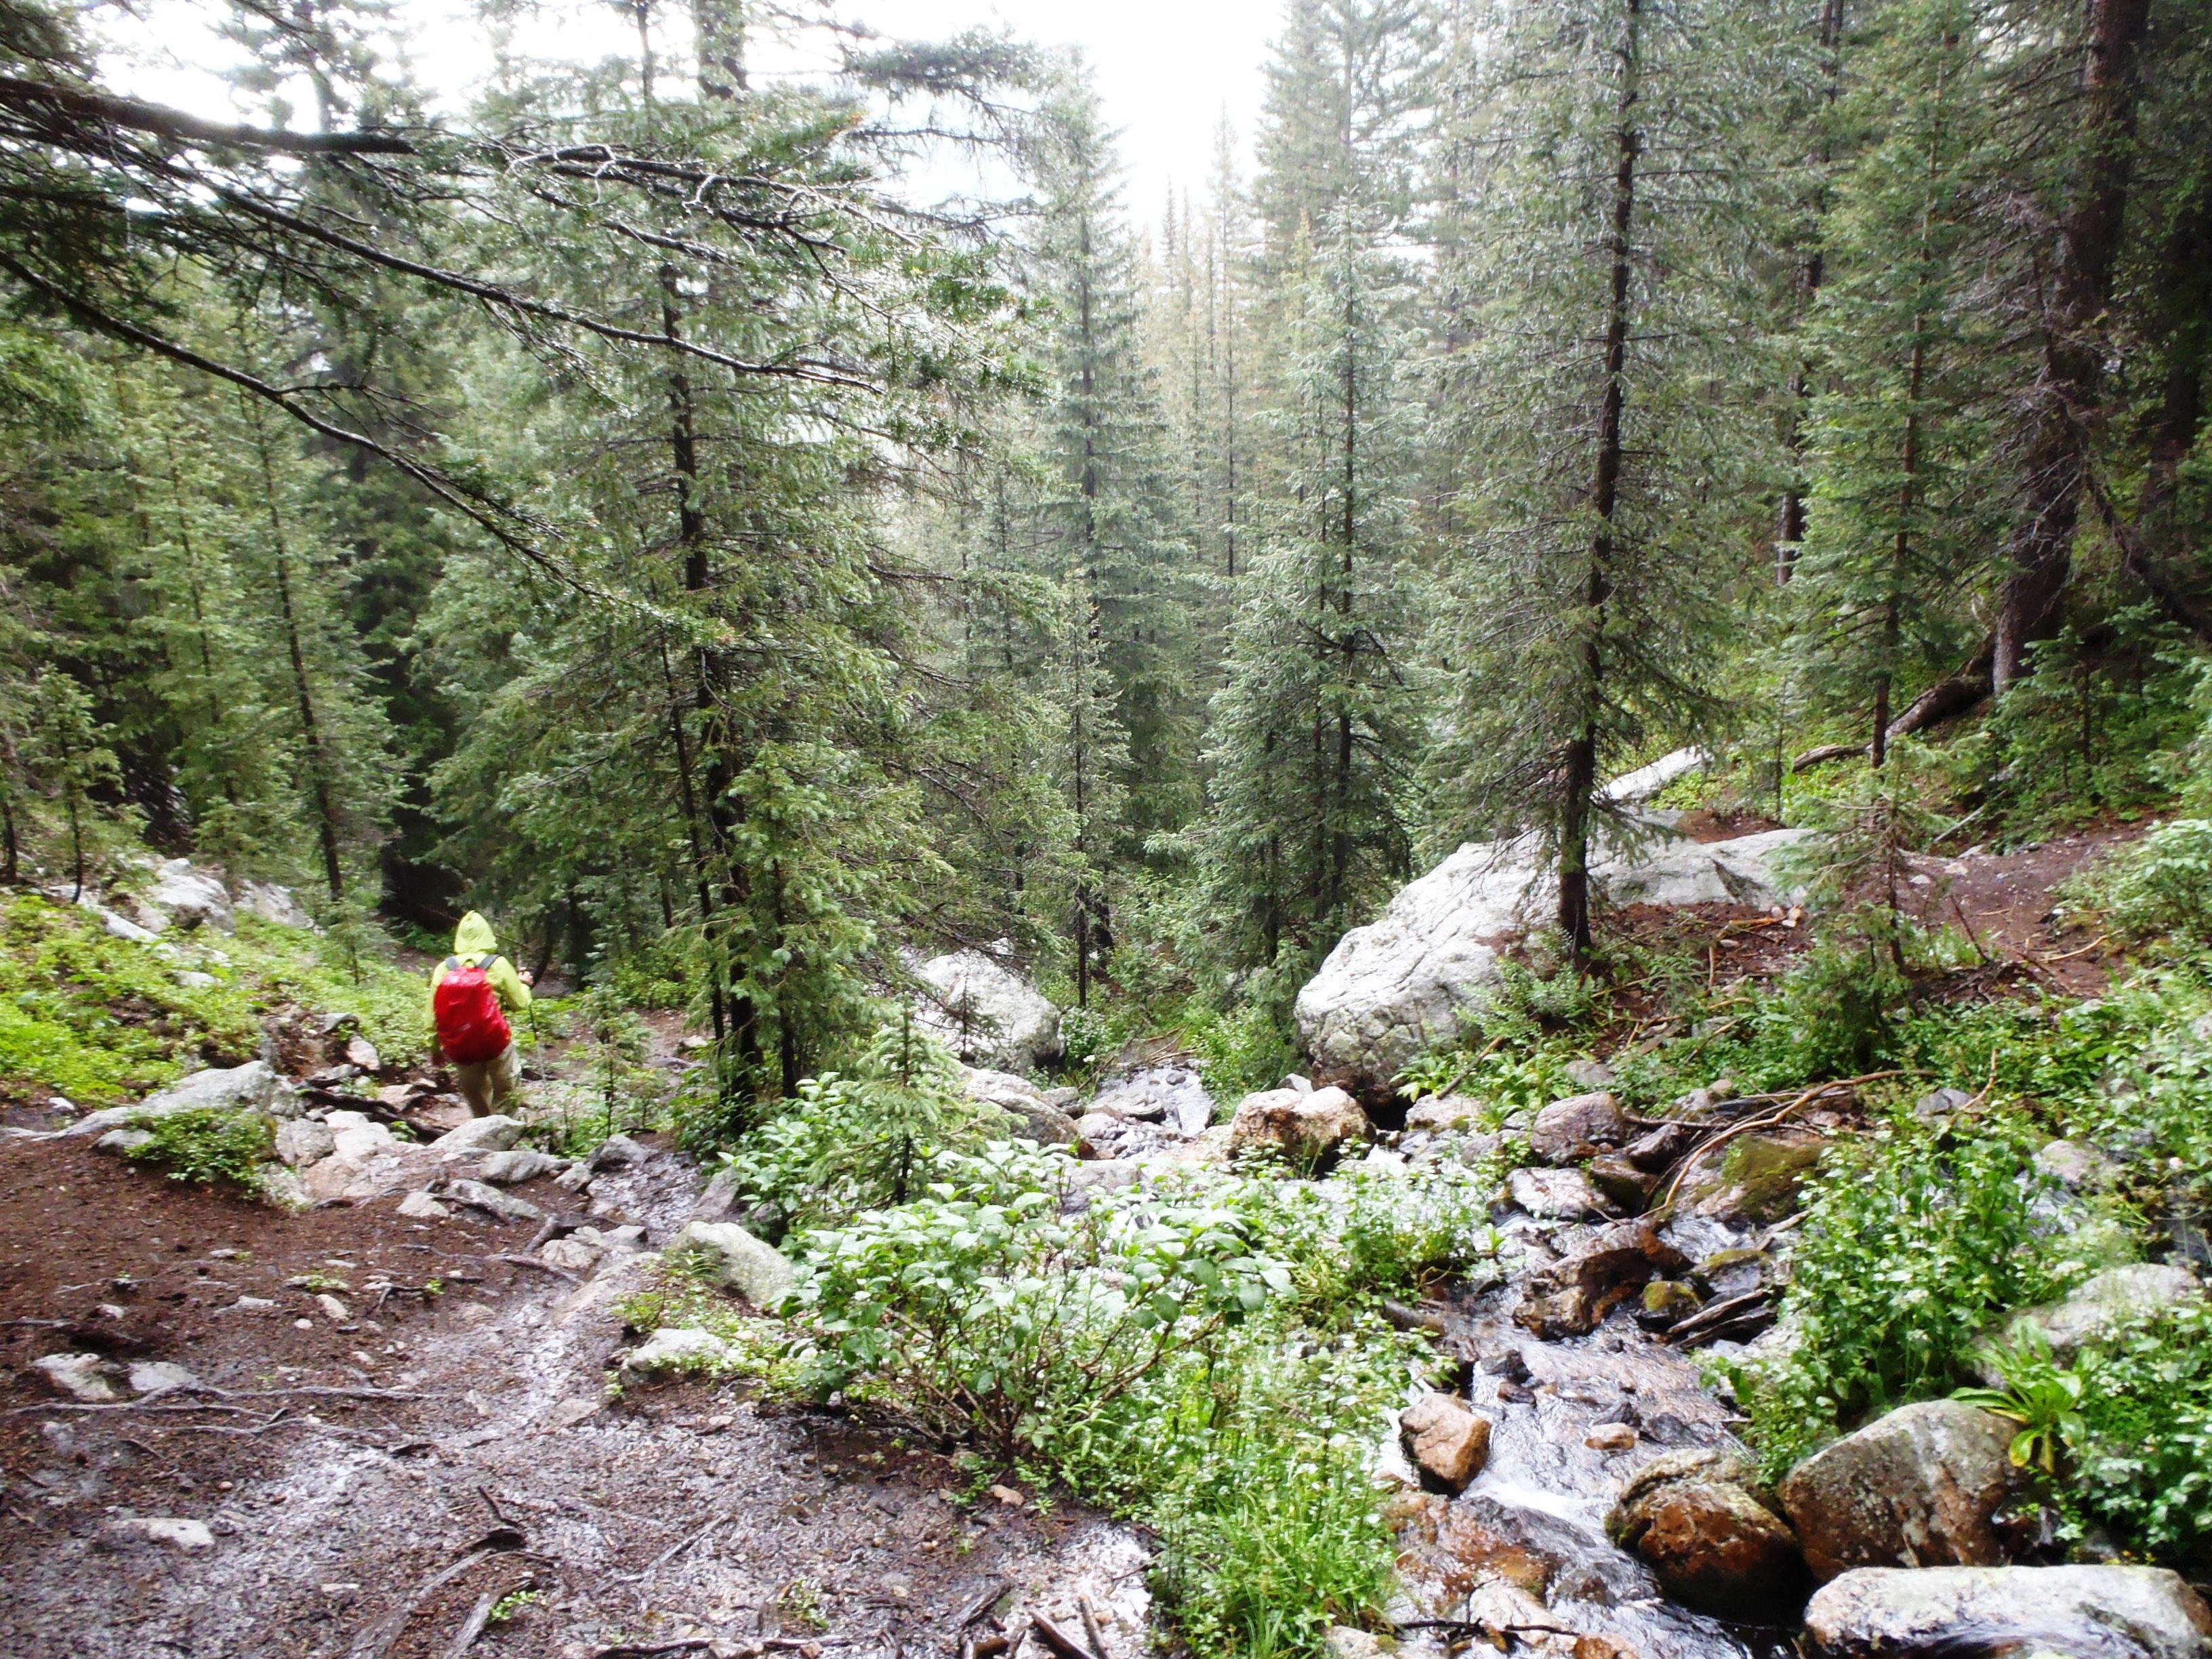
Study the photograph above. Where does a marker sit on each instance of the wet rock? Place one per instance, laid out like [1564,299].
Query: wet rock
[304,1140]
[1658,1150]
[492,1202]
[81,1376]
[1733,1273]
[2116,1297]
[520,1163]
[1589,1074]
[1941,1102]
[1445,1438]
[153,1377]
[1443,1114]
[1569,1297]
[1343,1641]
[2075,1164]
[192,897]
[360,1052]
[673,1350]
[617,1152]
[1611,1438]
[1626,1187]
[1754,1178]
[1923,1486]
[356,1138]
[494,1134]
[1985,1612]
[1664,1302]
[1576,1127]
[1303,1127]
[735,1258]
[1695,1518]
[253,1087]
[170,1532]
[986,1014]
[1171,1095]
[273,903]
[1559,1195]
[1044,1124]
[422,1207]
[572,1254]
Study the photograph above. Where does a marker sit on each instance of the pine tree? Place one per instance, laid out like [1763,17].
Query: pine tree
[1901,515]
[1612,433]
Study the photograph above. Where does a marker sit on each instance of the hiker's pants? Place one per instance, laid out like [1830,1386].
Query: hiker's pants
[486,1084]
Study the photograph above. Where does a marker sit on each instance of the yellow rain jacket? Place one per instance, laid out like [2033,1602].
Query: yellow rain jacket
[473,940]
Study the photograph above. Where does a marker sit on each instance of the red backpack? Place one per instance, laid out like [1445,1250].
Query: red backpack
[471,1027]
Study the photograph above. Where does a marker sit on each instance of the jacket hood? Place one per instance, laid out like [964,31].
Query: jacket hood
[474,937]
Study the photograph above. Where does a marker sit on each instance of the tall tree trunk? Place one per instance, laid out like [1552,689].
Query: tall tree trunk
[311,736]
[1579,784]
[1789,526]
[740,1019]
[2065,402]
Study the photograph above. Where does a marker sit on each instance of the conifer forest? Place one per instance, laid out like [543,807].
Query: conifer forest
[1454,893]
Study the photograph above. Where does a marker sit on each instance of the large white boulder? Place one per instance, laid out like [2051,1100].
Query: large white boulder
[1932,1613]
[274,903]
[1419,977]
[986,1014]
[254,1086]
[191,896]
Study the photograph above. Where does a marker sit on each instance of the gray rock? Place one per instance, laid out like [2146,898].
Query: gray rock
[618,1152]
[2113,1299]
[1299,1126]
[506,1206]
[124,1142]
[1590,1074]
[251,1087]
[733,1257]
[1574,1128]
[1419,976]
[80,1376]
[1570,1296]
[170,1532]
[1441,1113]
[1018,1097]
[422,1207]
[687,1349]
[1560,1194]
[193,980]
[360,1051]
[152,1377]
[2076,1164]
[194,897]
[494,1134]
[304,1140]
[520,1163]
[273,903]
[985,1013]
[282,1188]
[1950,1612]
[1925,1485]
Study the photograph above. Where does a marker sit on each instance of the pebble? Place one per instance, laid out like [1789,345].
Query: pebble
[1611,1438]
[192,1537]
[334,1311]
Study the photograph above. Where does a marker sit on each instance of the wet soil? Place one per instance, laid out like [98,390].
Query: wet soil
[351,1462]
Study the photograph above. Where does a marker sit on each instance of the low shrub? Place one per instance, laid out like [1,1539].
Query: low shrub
[2158,889]
[2142,1454]
[1914,1242]
[208,1147]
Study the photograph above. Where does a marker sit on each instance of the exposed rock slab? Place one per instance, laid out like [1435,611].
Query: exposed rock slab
[1045,1124]
[253,1087]
[1296,1125]
[1696,1520]
[1924,1486]
[1970,1612]
[986,1013]
[734,1257]
[1417,977]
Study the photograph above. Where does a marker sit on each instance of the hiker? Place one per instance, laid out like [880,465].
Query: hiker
[470,991]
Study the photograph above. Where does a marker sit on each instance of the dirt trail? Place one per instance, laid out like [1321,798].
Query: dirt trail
[472,1431]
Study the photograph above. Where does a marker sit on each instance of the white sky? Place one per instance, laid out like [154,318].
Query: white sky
[1167,70]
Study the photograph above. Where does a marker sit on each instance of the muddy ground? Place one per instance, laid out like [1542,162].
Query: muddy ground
[377,1482]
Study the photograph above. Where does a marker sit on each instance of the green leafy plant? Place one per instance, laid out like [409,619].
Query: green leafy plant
[207,1146]
[1913,1242]
[2036,1393]
[2160,888]
[2142,1447]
